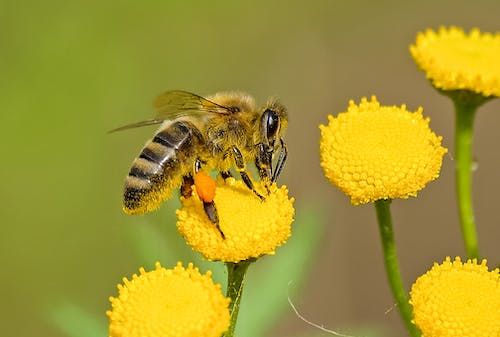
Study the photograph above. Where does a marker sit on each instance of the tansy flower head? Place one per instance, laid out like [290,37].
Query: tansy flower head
[454,60]
[251,227]
[178,302]
[374,152]
[456,299]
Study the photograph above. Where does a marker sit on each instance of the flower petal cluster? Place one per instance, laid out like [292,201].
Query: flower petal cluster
[374,152]
[457,299]
[178,302]
[455,60]
[252,227]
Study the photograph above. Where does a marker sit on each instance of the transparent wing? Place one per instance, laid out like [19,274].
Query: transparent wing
[138,124]
[177,103]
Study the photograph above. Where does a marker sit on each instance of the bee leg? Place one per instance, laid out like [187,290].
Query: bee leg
[240,165]
[187,183]
[197,165]
[225,174]
[263,162]
[208,206]
[211,213]
[281,160]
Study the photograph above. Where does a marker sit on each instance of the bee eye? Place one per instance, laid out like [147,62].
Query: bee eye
[272,123]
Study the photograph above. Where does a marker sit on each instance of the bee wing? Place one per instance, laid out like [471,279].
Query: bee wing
[177,103]
[138,124]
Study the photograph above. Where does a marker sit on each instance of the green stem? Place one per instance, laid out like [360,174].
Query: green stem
[392,265]
[464,122]
[235,282]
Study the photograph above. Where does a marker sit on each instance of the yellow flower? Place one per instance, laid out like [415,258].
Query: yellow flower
[456,299]
[178,302]
[374,152]
[251,227]
[454,60]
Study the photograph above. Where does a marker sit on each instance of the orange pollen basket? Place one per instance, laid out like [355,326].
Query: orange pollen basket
[205,186]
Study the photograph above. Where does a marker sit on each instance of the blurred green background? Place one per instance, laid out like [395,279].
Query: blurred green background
[71,70]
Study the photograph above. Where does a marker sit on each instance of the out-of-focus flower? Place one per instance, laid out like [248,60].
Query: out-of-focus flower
[178,302]
[454,60]
[456,299]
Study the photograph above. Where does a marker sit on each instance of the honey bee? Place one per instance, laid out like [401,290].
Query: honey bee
[220,132]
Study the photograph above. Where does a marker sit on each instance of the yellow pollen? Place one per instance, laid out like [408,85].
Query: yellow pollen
[374,152]
[178,302]
[456,299]
[252,227]
[454,60]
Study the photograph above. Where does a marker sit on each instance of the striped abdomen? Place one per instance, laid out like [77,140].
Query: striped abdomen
[160,167]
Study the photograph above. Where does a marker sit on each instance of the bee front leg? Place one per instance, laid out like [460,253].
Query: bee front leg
[263,162]
[240,165]
[281,160]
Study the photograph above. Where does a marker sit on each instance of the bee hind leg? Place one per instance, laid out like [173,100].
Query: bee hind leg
[211,212]
[208,204]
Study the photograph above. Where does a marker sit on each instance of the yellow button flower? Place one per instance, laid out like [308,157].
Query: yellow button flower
[178,302]
[454,60]
[374,152]
[251,227]
[456,299]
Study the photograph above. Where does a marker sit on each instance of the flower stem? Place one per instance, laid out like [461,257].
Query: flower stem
[464,122]
[235,281]
[392,265]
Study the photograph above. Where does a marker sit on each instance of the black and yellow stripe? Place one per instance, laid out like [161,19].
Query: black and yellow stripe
[160,165]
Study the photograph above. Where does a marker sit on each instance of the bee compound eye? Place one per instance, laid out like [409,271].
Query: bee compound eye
[272,124]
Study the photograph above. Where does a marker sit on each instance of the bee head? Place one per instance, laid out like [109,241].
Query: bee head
[273,124]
